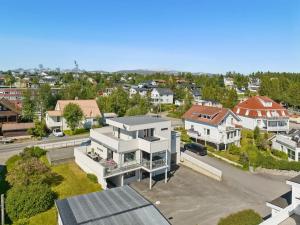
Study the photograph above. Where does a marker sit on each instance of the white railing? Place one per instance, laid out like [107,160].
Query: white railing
[62,144]
[279,217]
[155,164]
[153,146]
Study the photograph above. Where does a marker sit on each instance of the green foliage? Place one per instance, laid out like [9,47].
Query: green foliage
[81,89]
[234,150]
[73,115]
[34,151]
[39,129]
[92,177]
[27,201]
[46,100]
[76,131]
[279,154]
[245,217]
[11,162]
[29,171]
[184,136]
[9,79]
[4,185]
[23,221]
[28,106]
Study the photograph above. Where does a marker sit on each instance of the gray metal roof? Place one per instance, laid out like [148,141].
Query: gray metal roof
[283,201]
[121,205]
[295,179]
[164,91]
[138,120]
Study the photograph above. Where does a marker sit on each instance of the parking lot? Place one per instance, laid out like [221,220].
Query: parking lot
[190,198]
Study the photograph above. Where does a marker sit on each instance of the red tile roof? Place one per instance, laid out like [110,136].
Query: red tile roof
[217,114]
[254,107]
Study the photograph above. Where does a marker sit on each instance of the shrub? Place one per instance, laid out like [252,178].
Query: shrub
[245,217]
[77,131]
[234,150]
[22,222]
[92,177]
[27,201]
[184,136]
[279,154]
[29,171]
[36,152]
[11,162]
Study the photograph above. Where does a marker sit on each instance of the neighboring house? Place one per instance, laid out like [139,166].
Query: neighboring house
[91,113]
[14,94]
[51,80]
[286,205]
[209,103]
[116,206]
[254,84]
[228,82]
[135,90]
[288,143]
[218,126]
[162,96]
[196,95]
[9,118]
[128,149]
[179,102]
[262,112]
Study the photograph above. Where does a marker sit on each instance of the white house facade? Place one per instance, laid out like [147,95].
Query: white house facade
[129,149]
[288,143]
[218,126]
[262,112]
[162,96]
[137,90]
[91,113]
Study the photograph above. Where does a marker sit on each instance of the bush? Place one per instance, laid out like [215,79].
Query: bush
[92,177]
[27,201]
[184,136]
[245,217]
[77,131]
[279,154]
[11,162]
[234,150]
[36,152]
[22,222]
[29,171]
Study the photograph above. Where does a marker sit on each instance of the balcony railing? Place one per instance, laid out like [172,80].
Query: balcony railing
[121,169]
[155,164]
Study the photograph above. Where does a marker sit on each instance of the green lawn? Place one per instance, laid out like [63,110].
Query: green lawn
[71,180]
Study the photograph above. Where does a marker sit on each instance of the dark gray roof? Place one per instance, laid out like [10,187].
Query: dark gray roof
[283,201]
[295,179]
[137,120]
[121,205]
[164,91]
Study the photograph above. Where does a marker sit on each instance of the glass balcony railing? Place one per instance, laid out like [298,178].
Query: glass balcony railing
[155,164]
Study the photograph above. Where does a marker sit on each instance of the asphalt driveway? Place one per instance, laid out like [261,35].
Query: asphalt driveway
[190,198]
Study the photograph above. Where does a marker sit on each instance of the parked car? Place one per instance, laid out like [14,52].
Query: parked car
[196,148]
[86,143]
[58,132]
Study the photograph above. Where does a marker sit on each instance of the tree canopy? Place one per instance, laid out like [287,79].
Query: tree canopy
[73,115]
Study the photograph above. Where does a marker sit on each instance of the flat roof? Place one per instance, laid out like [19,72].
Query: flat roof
[283,201]
[121,205]
[138,120]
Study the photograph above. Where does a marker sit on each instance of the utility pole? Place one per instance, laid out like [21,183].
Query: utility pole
[2,209]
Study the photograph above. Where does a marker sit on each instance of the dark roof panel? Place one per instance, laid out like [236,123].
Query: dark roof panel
[283,201]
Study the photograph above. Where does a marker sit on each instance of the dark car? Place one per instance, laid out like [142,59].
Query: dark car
[196,148]
[86,143]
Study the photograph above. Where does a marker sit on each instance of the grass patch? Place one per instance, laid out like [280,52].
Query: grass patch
[245,217]
[72,181]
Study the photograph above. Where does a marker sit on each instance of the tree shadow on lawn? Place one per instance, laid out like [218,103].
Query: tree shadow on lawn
[55,179]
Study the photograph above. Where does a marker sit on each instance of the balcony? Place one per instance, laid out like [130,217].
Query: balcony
[153,144]
[160,163]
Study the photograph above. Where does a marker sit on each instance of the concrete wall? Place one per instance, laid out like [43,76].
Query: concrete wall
[279,217]
[200,166]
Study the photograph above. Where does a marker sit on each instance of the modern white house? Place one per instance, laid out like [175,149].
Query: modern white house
[254,84]
[262,112]
[288,143]
[219,126]
[162,96]
[129,149]
[90,109]
[285,208]
[137,90]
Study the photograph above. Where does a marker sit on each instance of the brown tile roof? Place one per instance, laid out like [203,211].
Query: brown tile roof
[54,113]
[17,126]
[89,108]
[217,114]
[10,105]
[255,108]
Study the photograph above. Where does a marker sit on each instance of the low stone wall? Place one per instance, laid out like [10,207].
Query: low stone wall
[200,166]
[287,173]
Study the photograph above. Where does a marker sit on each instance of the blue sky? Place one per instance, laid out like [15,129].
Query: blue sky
[199,36]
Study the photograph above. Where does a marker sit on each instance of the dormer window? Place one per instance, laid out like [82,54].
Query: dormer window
[258,112]
[238,111]
[283,113]
[247,112]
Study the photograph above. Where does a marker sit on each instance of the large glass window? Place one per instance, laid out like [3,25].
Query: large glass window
[128,157]
[291,154]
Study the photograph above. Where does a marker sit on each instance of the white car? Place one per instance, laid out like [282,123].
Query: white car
[57,132]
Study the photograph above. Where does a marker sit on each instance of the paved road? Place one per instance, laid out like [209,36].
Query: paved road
[7,150]
[191,198]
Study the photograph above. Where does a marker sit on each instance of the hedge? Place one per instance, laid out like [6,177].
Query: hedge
[92,177]
[27,201]
[77,131]
[245,217]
